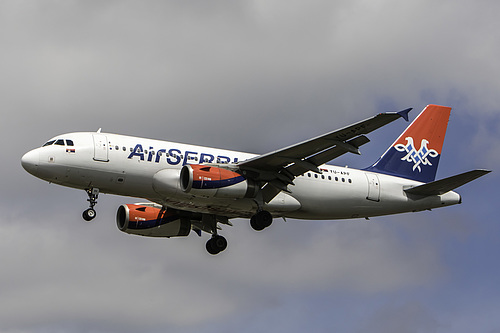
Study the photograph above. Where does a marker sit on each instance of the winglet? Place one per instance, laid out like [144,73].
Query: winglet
[404,114]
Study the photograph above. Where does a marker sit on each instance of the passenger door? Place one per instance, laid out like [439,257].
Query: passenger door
[373,187]
[100,147]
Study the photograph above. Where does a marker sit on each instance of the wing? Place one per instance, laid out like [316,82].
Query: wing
[279,168]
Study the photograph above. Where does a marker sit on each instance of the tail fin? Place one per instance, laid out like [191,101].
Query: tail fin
[415,154]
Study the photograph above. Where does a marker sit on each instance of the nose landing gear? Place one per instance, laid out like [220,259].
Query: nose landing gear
[90,213]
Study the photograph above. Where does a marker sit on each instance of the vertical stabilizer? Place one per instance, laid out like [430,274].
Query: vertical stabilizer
[415,154]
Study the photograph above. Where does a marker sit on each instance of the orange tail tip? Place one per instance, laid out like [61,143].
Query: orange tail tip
[416,152]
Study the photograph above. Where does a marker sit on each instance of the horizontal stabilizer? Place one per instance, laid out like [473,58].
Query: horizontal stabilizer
[442,186]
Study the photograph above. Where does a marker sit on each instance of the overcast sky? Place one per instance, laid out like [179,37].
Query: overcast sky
[252,76]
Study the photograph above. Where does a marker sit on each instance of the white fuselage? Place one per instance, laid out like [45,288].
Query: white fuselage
[125,165]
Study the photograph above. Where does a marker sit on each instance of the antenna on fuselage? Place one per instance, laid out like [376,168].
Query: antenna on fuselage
[99,130]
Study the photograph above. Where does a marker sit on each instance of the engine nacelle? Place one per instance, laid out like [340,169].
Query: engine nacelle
[151,221]
[209,181]
[167,182]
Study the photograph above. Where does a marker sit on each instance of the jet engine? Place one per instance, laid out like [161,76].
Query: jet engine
[209,181]
[149,220]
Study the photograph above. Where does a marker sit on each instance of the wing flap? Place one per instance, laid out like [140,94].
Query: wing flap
[442,186]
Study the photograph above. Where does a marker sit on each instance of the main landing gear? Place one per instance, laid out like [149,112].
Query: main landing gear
[261,220]
[89,214]
[216,244]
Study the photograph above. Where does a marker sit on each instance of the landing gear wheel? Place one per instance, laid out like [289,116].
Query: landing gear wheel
[216,244]
[261,220]
[255,225]
[89,214]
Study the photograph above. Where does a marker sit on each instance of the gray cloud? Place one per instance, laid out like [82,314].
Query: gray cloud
[65,270]
[410,317]
[253,76]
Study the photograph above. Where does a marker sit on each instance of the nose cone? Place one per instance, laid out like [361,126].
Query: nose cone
[30,161]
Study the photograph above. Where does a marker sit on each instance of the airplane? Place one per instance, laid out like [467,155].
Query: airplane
[196,188]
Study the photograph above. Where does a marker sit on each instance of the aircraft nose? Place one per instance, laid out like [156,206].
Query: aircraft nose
[30,161]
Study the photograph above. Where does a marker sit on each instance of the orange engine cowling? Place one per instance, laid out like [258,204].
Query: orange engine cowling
[209,181]
[151,221]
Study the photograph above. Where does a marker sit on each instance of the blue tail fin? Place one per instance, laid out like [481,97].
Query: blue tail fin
[415,154]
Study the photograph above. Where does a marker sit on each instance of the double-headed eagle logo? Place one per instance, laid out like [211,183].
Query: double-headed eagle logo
[417,157]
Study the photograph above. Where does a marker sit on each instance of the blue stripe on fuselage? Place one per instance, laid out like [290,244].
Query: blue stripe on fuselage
[211,184]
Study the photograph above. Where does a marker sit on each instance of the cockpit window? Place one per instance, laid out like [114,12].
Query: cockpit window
[49,143]
[60,142]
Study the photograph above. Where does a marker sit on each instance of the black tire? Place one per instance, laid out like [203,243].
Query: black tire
[216,244]
[255,224]
[89,214]
[211,247]
[261,220]
[220,243]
